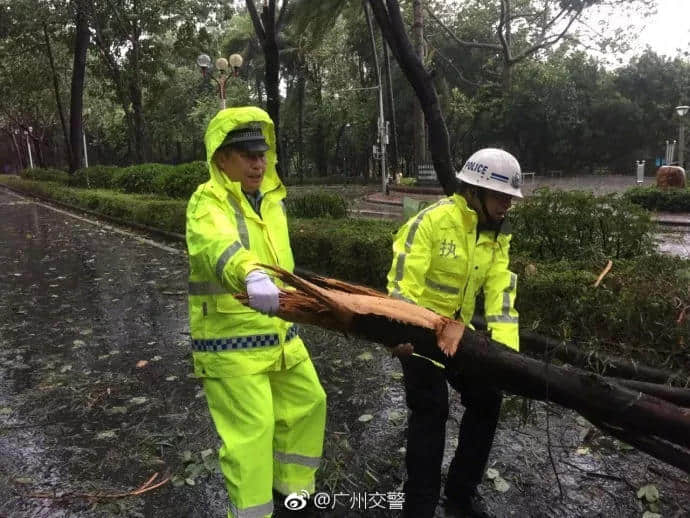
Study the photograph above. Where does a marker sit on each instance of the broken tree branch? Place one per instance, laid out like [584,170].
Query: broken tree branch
[653,425]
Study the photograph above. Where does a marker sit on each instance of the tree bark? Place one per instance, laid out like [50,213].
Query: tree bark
[390,20]
[58,97]
[390,107]
[541,346]
[266,29]
[418,38]
[81,43]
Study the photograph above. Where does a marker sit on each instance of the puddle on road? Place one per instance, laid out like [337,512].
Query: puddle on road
[82,305]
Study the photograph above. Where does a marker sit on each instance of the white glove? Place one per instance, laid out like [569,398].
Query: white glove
[263,294]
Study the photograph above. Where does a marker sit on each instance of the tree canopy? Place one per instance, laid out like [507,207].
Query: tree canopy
[518,74]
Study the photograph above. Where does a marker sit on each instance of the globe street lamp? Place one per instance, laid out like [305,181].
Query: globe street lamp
[234,61]
[681,111]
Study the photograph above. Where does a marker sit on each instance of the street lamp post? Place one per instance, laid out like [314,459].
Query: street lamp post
[681,111]
[28,147]
[83,136]
[234,61]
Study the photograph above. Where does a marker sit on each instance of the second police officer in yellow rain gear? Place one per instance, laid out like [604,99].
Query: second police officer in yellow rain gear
[262,390]
[444,257]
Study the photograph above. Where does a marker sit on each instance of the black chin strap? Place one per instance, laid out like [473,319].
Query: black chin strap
[481,193]
[490,224]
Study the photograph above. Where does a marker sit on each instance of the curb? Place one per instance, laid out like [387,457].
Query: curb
[164,234]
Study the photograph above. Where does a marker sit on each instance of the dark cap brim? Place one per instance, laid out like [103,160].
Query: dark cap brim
[254,146]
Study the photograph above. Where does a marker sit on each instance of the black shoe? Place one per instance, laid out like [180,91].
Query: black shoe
[466,506]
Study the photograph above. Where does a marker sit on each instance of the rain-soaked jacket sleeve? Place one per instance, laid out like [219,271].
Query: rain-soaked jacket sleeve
[213,235]
[500,289]
[411,258]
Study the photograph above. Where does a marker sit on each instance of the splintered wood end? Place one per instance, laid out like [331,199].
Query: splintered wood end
[448,336]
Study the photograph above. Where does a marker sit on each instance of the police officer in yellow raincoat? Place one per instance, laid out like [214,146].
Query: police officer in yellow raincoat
[443,258]
[262,390]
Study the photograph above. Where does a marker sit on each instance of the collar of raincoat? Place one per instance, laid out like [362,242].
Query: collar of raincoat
[228,120]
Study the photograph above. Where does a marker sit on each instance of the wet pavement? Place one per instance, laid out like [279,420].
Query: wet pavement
[96,395]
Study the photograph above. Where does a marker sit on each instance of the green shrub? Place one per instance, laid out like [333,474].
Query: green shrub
[139,178]
[94,177]
[330,180]
[356,250]
[46,174]
[633,312]
[316,205]
[182,180]
[652,198]
[575,225]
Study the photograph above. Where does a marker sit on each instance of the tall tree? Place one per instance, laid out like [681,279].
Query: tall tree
[418,38]
[523,28]
[267,27]
[81,43]
[390,20]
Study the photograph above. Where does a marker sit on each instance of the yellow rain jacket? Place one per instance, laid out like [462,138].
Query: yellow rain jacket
[441,263]
[226,239]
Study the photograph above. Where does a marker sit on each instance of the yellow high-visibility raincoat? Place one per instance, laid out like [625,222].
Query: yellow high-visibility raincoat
[440,262]
[262,390]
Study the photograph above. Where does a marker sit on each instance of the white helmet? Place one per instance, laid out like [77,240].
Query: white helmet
[493,169]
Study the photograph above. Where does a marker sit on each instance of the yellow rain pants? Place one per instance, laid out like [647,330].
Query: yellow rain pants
[271,425]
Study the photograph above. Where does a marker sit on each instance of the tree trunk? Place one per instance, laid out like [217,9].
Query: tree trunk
[81,43]
[541,346]
[418,38]
[135,95]
[18,150]
[393,28]
[301,87]
[653,425]
[266,30]
[58,97]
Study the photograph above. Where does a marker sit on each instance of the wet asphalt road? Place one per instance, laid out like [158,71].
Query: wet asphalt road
[82,304]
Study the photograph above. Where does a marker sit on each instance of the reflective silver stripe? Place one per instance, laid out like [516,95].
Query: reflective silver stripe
[206,288]
[241,222]
[256,511]
[505,309]
[400,265]
[294,458]
[506,319]
[442,287]
[225,257]
[397,295]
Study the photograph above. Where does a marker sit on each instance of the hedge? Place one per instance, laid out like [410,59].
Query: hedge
[639,303]
[163,214]
[652,198]
[45,174]
[316,205]
[555,225]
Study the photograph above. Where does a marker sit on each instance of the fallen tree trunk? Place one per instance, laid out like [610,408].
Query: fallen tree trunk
[542,346]
[676,395]
[545,348]
[657,427]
